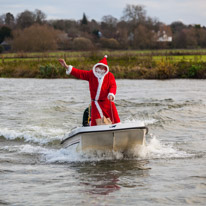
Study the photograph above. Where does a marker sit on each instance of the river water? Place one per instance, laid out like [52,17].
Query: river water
[36,114]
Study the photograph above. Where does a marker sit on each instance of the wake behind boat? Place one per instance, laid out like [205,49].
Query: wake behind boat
[121,137]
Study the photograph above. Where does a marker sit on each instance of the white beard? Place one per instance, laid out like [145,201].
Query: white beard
[100,72]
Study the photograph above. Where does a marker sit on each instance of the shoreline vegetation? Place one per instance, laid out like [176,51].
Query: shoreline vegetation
[131,64]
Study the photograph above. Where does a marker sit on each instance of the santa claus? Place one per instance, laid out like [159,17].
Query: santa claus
[102,87]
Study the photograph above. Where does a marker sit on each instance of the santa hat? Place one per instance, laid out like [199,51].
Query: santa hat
[102,62]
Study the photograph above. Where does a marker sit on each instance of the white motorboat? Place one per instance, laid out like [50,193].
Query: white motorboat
[121,137]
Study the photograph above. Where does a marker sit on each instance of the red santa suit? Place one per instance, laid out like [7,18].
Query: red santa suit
[101,87]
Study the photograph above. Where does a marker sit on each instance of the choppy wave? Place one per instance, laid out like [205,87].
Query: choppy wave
[33,135]
[159,103]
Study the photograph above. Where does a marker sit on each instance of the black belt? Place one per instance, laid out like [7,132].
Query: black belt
[98,100]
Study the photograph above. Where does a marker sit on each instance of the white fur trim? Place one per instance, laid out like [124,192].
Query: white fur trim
[105,56]
[98,65]
[69,69]
[99,109]
[111,95]
[100,81]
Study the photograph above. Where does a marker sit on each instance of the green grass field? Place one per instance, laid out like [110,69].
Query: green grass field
[180,58]
[157,55]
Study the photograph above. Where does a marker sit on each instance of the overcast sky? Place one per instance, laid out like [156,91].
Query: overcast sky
[167,11]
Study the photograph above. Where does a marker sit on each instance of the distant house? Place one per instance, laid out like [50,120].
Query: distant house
[100,34]
[163,37]
[131,36]
[6,45]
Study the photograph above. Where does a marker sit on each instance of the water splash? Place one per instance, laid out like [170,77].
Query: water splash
[35,134]
[155,149]
[43,137]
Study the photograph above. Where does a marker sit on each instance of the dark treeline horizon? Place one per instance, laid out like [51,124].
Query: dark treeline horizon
[31,31]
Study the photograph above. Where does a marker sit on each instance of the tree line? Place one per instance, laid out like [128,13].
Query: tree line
[31,31]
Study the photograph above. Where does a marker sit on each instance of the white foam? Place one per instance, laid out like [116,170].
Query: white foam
[71,155]
[152,150]
[48,155]
[29,149]
[140,122]
[62,155]
[132,121]
[33,134]
[155,149]
[149,121]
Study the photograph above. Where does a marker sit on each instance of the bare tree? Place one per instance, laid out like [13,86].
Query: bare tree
[2,18]
[64,24]
[36,38]
[186,38]
[135,14]
[201,37]
[40,16]
[9,19]
[177,26]
[110,20]
[25,19]
[143,38]
[108,26]
[122,34]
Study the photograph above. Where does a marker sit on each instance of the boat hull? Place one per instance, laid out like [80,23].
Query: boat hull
[121,138]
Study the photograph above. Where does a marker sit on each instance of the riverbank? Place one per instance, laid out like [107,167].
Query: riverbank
[164,64]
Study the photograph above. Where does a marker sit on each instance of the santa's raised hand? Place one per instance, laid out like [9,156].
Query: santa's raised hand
[63,63]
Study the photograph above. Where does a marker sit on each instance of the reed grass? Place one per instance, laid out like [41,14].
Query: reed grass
[124,65]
